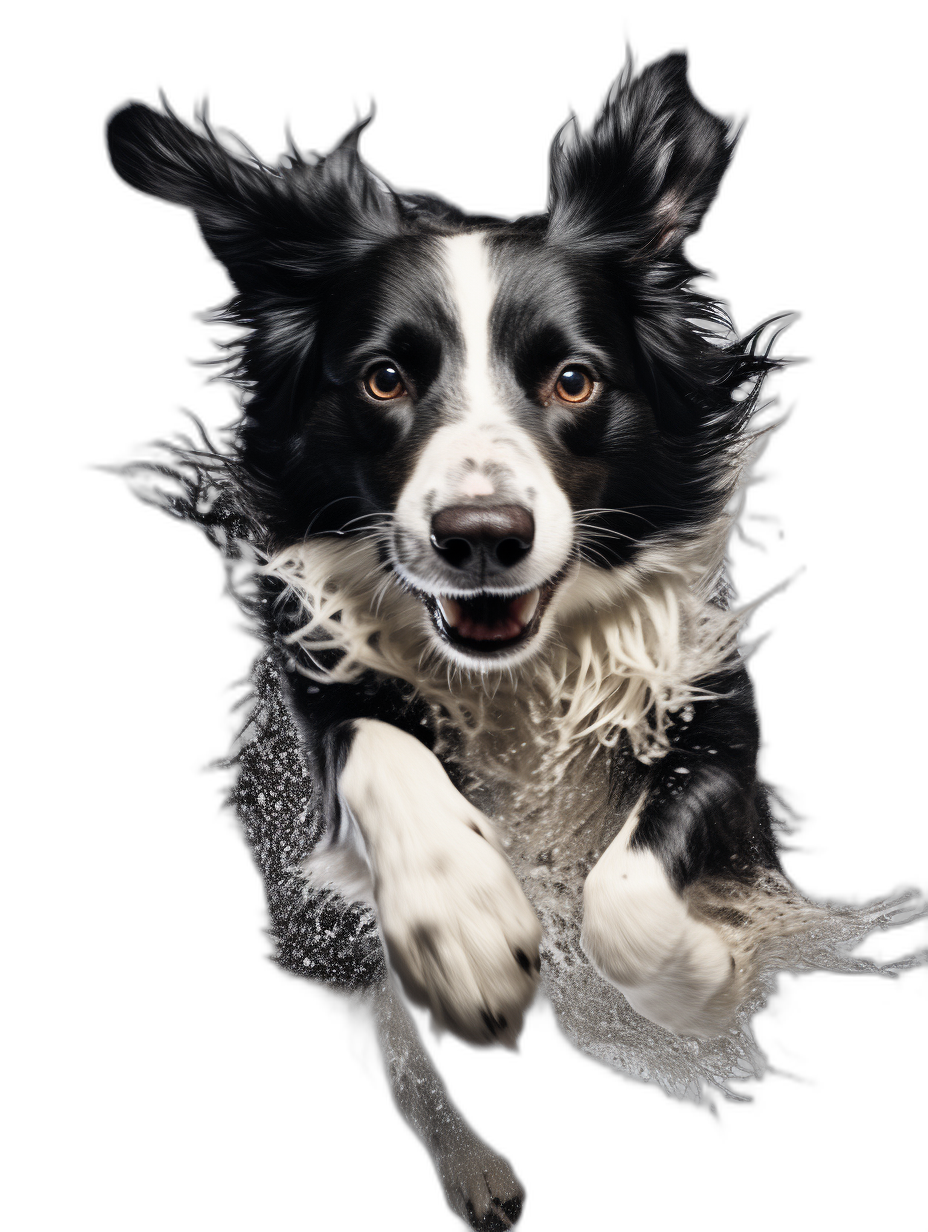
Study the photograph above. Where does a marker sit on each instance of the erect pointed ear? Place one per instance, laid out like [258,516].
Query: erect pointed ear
[273,228]
[645,174]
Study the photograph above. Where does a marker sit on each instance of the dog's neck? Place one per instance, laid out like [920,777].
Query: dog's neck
[626,653]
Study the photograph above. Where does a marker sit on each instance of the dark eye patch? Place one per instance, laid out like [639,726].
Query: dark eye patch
[535,353]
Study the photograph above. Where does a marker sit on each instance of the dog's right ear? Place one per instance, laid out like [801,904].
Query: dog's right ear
[157,153]
[272,228]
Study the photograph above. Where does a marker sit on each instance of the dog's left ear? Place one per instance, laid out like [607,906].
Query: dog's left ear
[641,180]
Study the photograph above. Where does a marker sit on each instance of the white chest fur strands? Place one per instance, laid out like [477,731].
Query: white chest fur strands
[626,649]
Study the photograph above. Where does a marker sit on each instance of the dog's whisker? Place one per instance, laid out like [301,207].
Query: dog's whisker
[319,512]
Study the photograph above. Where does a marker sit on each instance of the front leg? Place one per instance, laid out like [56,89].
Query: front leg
[672,968]
[702,820]
[460,933]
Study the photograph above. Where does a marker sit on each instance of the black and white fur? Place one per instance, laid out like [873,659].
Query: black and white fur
[502,610]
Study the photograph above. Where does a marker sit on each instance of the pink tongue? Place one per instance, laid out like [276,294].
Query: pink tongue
[476,631]
[502,631]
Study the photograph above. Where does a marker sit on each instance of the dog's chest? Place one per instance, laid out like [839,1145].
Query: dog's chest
[550,805]
[554,810]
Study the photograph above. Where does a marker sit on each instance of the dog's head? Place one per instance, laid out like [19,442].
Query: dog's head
[493,401]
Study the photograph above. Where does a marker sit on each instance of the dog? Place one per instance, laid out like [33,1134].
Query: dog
[490,468]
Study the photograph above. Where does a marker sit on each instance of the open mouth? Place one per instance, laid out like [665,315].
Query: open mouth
[485,623]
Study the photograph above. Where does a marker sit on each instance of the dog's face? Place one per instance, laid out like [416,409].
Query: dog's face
[492,401]
[470,378]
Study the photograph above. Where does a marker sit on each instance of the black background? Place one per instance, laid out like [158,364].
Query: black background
[222,1087]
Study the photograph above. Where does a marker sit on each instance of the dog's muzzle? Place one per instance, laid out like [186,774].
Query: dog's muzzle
[484,609]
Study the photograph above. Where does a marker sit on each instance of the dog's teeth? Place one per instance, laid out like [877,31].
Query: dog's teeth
[451,611]
[525,607]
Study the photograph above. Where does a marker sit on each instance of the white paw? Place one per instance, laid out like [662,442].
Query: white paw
[460,933]
[672,968]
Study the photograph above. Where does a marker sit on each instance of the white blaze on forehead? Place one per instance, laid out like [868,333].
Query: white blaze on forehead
[473,290]
[479,449]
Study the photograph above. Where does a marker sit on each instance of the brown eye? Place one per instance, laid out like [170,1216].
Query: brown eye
[384,383]
[574,385]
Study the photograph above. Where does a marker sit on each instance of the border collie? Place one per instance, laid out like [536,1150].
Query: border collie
[490,468]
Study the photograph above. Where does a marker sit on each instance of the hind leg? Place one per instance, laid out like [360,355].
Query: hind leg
[479,1185]
[671,967]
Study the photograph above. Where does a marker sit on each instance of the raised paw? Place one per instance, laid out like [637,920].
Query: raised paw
[461,935]
[672,968]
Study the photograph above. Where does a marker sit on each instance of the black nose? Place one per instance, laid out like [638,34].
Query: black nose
[488,539]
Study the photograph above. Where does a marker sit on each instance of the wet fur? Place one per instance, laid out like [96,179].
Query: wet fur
[608,774]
